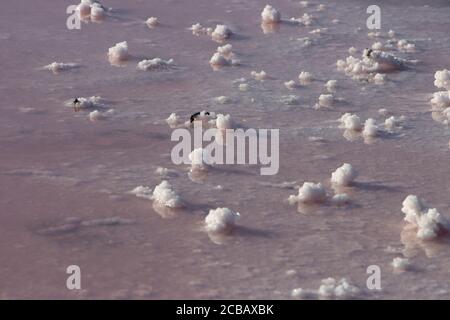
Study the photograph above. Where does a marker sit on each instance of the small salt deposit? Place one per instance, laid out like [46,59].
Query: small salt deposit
[223,57]
[391,33]
[427,220]
[441,99]
[173,120]
[393,122]
[270,15]
[351,122]
[343,289]
[340,199]
[370,128]
[221,33]
[326,100]
[352,50]
[99,115]
[243,87]
[222,99]
[98,13]
[331,85]
[305,77]
[223,122]
[91,9]
[152,22]
[442,79]
[309,193]
[226,50]
[197,29]
[57,67]
[290,84]
[260,76]
[155,64]
[221,220]
[118,53]
[87,103]
[400,263]
[164,195]
[198,159]
[344,175]
[404,45]
[142,192]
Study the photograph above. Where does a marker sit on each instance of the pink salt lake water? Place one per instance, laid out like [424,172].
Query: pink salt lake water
[57,167]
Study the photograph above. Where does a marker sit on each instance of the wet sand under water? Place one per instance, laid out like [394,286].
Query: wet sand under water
[57,167]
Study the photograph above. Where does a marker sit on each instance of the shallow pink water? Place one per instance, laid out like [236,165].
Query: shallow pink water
[55,164]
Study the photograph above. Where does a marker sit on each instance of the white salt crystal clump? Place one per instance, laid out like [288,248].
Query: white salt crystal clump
[344,175]
[303,293]
[377,46]
[97,12]
[221,220]
[223,57]
[173,120]
[340,199]
[305,77]
[330,288]
[154,64]
[118,53]
[441,99]
[243,87]
[198,29]
[404,45]
[351,122]
[270,15]
[358,69]
[84,9]
[391,33]
[199,160]
[326,100]
[152,22]
[442,79]
[225,50]
[260,76]
[221,33]
[223,122]
[222,99]
[400,263]
[370,128]
[379,78]
[331,85]
[352,50]
[88,103]
[427,220]
[163,194]
[142,192]
[290,84]
[309,193]
[99,115]
[393,122]
[57,67]
[219,60]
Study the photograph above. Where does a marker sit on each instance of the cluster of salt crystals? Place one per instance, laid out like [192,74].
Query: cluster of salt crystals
[310,192]
[404,45]
[118,53]
[325,100]
[359,69]
[199,160]
[152,22]
[428,221]
[88,103]
[290,84]
[352,122]
[393,122]
[221,220]
[173,120]
[305,78]
[221,33]
[163,194]
[270,15]
[100,115]
[305,20]
[401,264]
[57,67]
[223,56]
[90,9]
[154,64]
[441,99]
[223,99]
[260,76]
[331,85]
[344,175]
[329,288]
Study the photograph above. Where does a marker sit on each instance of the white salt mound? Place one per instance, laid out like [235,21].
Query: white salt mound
[56,67]
[88,103]
[427,220]
[393,122]
[221,220]
[142,192]
[99,115]
[340,199]
[309,193]
[198,159]
[221,33]
[164,195]
[152,22]
[344,175]
[154,64]
[290,84]
[305,77]
[326,100]
[351,122]
[331,85]
[330,288]
[370,128]
[173,120]
[442,79]
[225,50]
[400,263]
[119,52]
[441,99]
[223,122]
[270,15]
[97,12]
[262,75]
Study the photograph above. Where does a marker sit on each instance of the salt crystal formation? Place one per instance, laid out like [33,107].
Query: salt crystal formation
[428,221]
[221,220]
[310,192]
[155,64]
[270,15]
[344,175]
[441,99]
[152,22]
[57,67]
[330,288]
[221,33]
[118,53]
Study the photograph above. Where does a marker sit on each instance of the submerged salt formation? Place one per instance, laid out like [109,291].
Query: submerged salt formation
[325,100]
[290,84]
[221,220]
[344,175]
[305,78]
[97,115]
[401,264]
[370,128]
[57,67]
[270,15]
[118,53]
[428,221]
[330,288]
[260,76]
[351,121]
[155,64]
